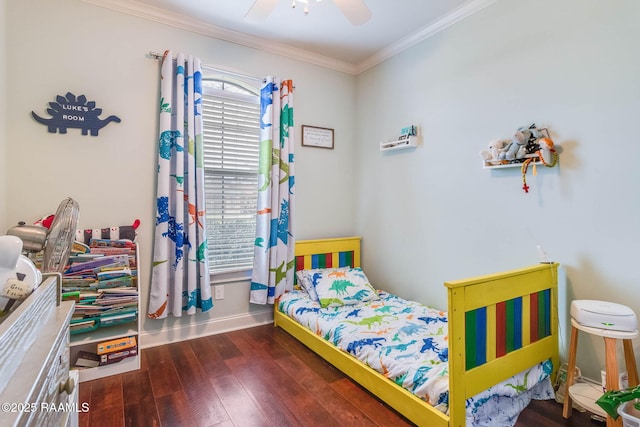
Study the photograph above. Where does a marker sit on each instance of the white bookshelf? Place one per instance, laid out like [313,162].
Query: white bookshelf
[88,341]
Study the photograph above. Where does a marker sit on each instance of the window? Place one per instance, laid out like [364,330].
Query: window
[231,120]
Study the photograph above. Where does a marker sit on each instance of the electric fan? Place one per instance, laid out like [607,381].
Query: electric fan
[57,241]
[60,237]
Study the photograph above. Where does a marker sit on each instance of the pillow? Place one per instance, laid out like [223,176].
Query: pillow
[347,287]
[306,286]
[112,233]
[306,279]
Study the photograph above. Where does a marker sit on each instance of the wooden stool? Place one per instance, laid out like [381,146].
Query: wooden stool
[611,362]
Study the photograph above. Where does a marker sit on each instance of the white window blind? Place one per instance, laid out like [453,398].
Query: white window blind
[231,119]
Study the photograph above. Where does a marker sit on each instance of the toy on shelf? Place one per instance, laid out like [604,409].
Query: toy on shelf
[495,151]
[546,154]
[528,146]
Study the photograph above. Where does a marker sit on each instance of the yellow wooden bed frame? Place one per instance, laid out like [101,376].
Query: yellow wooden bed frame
[464,296]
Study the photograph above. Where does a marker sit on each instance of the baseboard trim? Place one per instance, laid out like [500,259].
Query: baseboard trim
[203,329]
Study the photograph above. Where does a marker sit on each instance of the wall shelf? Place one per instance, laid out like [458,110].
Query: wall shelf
[399,144]
[487,164]
[550,159]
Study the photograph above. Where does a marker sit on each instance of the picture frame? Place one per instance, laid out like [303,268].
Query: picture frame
[314,136]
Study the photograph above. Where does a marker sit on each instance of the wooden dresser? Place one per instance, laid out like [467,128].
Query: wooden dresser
[35,386]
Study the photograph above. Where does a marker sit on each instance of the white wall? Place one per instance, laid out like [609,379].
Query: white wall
[434,214]
[57,46]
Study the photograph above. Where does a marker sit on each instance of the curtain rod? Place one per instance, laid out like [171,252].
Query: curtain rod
[156,55]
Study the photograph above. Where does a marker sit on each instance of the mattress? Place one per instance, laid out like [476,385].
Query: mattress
[407,342]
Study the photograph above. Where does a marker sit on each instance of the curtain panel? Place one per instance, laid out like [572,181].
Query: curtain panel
[180,279]
[273,265]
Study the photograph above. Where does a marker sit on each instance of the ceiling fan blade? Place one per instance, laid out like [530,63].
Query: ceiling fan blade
[260,10]
[355,10]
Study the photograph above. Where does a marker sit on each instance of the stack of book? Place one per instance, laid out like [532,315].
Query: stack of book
[108,352]
[102,280]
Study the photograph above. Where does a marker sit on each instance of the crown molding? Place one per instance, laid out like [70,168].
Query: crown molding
[162,16]
[467,9]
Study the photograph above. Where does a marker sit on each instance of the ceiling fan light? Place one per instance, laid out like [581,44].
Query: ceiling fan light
[356,11]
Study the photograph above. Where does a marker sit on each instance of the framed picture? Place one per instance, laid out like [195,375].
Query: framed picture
[313,136]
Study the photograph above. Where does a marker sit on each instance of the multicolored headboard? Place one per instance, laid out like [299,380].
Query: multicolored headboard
[327,253]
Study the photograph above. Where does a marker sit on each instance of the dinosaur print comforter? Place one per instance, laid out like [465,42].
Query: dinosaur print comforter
[407,342]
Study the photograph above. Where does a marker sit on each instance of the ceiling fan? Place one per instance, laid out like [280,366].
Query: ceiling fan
[355,10]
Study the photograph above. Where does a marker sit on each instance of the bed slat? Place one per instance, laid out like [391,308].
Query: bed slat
[501,333]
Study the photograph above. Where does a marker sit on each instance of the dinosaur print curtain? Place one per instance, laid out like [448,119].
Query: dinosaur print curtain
[180,277]
[273,263]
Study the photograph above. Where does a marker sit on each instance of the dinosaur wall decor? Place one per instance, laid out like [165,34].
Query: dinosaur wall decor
[70,111]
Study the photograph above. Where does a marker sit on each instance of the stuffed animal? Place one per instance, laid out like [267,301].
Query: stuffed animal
[546,144]
[523,143]
[494,149]
[547,152]
[517,146]
[115,233]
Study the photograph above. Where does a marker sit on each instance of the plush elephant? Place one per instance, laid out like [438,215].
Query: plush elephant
[515,149]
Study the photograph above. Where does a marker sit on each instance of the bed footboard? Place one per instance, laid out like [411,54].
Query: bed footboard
[499,325]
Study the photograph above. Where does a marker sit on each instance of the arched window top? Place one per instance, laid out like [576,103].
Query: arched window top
[219,84]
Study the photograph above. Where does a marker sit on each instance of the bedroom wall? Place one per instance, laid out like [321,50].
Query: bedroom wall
[68,45]
[433,214]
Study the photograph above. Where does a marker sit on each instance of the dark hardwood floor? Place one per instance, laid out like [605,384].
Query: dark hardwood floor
[254,377]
